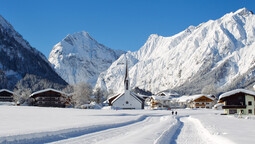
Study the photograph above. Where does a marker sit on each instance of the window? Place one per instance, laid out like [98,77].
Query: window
[242,112]
[250,111]
[126,102]
[249,103]
[207,103]
[127,85]
[232,111]
[207,107]
[197,103]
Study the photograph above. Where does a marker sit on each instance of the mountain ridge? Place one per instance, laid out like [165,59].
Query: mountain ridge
[18,60]
[180,61]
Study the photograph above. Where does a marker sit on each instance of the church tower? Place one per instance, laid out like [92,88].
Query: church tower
[126,85]
[128,99]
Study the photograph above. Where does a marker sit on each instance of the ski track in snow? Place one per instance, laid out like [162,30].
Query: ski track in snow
[154,130]
[191,132]
[148,131]
[52,136]
[151,129]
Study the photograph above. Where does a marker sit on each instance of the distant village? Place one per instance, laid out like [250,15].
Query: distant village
[238,101]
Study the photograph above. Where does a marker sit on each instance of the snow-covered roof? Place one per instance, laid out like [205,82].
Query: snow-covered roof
[187,98]
[161,98]
[140,99]
[112,96]
[218,105]
[7,91]
[226,94]
[184,98]
[168,93]
[200,95]
[48,89]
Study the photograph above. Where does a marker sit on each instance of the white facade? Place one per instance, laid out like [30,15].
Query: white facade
[131,103]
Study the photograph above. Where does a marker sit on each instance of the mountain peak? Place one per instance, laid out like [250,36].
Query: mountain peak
[82,33]
[243,11]
[153,36]
[80,36]
[80,58]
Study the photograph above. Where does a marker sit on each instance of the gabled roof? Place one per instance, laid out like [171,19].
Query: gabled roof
[137,96]
[187,98]
[7,91]
[168,93]
[114,98]
[227,94]
[161,98]
[184,98]
[48,89]
[201,95]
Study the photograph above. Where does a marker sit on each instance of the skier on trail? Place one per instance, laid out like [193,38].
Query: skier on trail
[175,112]
[172,112]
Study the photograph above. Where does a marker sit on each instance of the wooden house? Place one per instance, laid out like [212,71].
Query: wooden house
[49,98]
[128,99]
[239,101]
[203,101]
[163,100]
[6,95]
[160,102]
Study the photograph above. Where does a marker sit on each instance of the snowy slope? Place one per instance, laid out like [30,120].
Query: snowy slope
[213,53]
[80,58]
[57,125]
[21,63]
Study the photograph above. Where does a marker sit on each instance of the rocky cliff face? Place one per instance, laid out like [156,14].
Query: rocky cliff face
[219,53]
[18,60]
[80,58]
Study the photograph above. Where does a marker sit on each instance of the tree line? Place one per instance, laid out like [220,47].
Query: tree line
[82,94]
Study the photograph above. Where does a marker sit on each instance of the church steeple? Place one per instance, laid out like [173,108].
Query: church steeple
[126,79]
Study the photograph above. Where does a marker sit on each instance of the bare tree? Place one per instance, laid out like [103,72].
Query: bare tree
[100,95]
[68,89]
[82,93]
[22,96]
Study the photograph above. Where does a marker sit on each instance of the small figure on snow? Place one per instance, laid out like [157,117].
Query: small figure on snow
[175,112]
[172,112]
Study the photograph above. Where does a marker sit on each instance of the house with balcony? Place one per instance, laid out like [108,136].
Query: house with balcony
[49,98]
[239,101]
[6,95]
[160,102]
[203,101]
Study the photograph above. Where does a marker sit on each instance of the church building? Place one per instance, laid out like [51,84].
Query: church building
[128,99]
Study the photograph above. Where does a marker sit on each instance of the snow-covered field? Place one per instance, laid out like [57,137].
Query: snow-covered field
[57,125]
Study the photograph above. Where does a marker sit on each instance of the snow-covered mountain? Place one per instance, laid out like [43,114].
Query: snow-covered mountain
[80,58]
[20,63]
[219,53]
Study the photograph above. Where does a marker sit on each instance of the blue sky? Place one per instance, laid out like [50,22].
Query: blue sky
[118,24]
